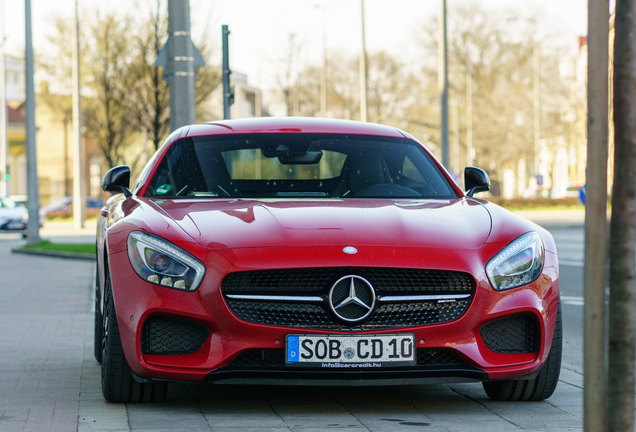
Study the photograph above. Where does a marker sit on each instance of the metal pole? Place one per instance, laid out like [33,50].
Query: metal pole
[33,230]
[323,69]
[622,305]
[227,91]
[537,109]
[180,64]
[456,167]
[470,152]
[4,143]
[363,71]
[79,187]
[442,79]
[594,363]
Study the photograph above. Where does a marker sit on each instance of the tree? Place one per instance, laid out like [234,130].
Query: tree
[497,50]
[123,93]
[55,90]
[288,77]
[107,117]
[149,100]
[390,88]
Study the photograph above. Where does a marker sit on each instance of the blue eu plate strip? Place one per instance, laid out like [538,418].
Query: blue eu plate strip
[293,349]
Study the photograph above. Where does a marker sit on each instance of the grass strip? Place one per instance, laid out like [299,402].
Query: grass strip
[86,248]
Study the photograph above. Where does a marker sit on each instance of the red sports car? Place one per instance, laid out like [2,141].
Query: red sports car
[317,252]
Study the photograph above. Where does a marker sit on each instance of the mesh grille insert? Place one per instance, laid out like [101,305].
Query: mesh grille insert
[171,336]
[516,334]
[385,316]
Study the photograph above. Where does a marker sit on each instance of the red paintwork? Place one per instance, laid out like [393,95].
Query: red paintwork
[233,235]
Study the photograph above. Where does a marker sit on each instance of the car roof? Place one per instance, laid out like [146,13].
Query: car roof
[292,125]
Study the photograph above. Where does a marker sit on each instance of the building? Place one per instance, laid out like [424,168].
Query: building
[247,99]
[16,155]
[53,139]
[16,126]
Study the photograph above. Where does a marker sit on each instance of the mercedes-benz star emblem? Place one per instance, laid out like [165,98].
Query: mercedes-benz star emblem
[352,298]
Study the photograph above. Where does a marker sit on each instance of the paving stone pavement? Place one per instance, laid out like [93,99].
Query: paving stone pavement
[49,379]
[43,313]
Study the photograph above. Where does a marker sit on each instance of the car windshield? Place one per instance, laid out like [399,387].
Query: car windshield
[8,203]
[289,165]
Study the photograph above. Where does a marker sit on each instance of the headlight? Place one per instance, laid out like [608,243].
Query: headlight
[517,264]
[160,262]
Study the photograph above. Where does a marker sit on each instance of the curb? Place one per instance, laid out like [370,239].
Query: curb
[56,254]
[560,225]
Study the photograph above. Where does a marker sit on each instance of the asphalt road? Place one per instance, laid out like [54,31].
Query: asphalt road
[49,379]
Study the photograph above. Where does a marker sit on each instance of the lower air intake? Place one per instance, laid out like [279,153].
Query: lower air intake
[165,335]
[516,334]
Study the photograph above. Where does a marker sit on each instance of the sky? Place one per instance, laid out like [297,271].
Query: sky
[260,28]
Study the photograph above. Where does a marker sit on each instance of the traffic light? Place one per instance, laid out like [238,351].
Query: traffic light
[7,173]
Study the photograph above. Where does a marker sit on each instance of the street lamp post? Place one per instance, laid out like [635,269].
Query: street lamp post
[537,109]
[442,79]
[181,62]
[33,230]
[363,71]
[323,69]
[79,188]
[470,151]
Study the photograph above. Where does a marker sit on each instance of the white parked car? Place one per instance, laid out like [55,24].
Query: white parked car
[13,216]
[565,190]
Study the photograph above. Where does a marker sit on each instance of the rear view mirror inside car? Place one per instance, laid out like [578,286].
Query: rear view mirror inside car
[308,158]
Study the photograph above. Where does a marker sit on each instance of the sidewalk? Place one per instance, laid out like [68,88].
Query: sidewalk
[555,218]
[43,319]
[65,232]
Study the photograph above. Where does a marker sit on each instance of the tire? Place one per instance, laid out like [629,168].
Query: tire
[99,322]
[542,385]
[118,384]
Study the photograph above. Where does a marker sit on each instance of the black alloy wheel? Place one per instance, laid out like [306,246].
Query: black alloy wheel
[118,384]
[542,385]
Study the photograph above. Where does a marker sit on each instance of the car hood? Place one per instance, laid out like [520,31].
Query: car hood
[459,223]
[14,213]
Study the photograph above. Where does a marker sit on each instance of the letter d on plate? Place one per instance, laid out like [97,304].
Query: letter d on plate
[293,348]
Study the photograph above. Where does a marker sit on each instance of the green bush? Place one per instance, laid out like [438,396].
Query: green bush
[536,203]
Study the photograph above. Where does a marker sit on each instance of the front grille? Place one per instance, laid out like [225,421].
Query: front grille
[516,334]
[317,282]
[386,316]
[274,359]
[166,335]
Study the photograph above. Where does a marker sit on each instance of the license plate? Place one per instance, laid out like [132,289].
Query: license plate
[15,225]
[350,352]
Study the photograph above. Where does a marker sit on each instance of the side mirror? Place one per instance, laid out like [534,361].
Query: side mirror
[117,180]
[476,180]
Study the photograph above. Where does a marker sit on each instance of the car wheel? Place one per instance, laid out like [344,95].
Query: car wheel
[542,385]
[118,384]
[99,322]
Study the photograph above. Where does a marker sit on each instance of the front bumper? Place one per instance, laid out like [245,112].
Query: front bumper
[229,338]
[13,225]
